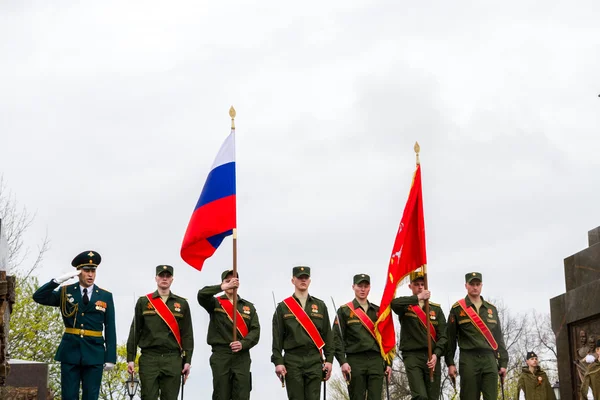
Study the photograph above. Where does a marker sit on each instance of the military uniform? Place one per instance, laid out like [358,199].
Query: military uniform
[479,363]
[83,350]
[161,360]
[535,385]
[231,371]
[359,348]
[302,359]
[591,379]
[414,347]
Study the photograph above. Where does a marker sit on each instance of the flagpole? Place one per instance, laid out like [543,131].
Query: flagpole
[232,115]
[429,351]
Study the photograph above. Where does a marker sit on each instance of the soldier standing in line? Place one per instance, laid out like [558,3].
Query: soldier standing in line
[591,379]
[357,350]
[230,360]
[86,310]
[533,382]
[301,329]
[413,339]
[475,324]
[162,328]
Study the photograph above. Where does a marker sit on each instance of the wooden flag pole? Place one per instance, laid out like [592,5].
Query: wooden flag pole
[424,266]
[232,115]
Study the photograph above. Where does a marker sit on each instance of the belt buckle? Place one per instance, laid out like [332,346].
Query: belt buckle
[81,332]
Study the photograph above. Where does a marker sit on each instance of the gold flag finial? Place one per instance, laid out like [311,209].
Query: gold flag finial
[232,115]
[417,150]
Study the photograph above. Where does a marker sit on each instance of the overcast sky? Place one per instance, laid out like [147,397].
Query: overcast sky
[112,112]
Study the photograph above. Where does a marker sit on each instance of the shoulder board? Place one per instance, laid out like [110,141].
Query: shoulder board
[104,290]
[455,305]
[179,297]
[489,304]
[246,301]
[434,304]
[344,305]
[317,299]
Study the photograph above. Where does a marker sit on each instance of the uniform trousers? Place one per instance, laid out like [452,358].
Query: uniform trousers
[231,374]
[421,387]
[478,375]
[90,377]
[367,373]
[160,375]
[304,374]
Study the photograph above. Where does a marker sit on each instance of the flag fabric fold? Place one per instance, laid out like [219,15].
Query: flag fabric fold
[214,216]
[408,254]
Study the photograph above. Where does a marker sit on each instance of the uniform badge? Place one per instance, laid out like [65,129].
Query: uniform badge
[150,306]
[246,310]
[462,314]
[315,308]
[540,379]
[490,313]
[100,306]
[177,307]
[352,315]
[432,315]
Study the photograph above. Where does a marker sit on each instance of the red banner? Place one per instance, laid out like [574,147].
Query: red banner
[423,318]
[305,321]
[163,311]
[408,254]
[478,322]
[239,320]
[364,318]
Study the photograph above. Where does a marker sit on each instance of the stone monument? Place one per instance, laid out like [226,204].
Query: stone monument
[576,315]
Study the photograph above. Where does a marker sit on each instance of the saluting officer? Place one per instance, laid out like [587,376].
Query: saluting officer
[162,329]
[301,329]
[475,323]
[230,360]
[86,310]
[413,338]
[357,350]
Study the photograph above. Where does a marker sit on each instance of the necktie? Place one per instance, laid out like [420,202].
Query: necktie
[86,299]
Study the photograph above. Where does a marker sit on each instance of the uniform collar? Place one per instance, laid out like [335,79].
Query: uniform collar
[470,303]
[155,294]
[357,304]
[308,297]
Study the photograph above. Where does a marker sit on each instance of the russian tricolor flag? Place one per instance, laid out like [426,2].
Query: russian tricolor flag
[215,214]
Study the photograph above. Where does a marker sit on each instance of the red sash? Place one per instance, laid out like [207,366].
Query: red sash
[364,318]
[423,318]
[477,321]
[305,321]
[163,311]
[239,320]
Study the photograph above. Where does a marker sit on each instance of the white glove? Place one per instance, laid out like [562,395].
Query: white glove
[590,359]
[67,276]
[108,366]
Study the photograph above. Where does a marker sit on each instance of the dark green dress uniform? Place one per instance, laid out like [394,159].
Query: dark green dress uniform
[414,348]
[478,364]
[83,349]
[360,350]
[535,385]
[302,359]
[161,360]
[231,371]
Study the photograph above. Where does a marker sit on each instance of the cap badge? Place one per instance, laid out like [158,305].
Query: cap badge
[164,267]
[91,254]
[301,268]
[362,276]
[474,274]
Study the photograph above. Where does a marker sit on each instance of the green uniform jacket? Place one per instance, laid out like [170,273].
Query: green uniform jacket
[462,329]
[413,334]
[220,328]
[98,315]
[150,333]
[288,334]
[356,338]
[591,379]
[535,385]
